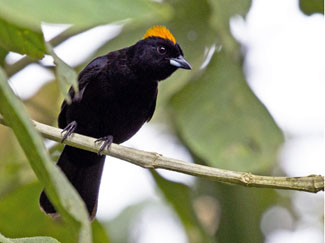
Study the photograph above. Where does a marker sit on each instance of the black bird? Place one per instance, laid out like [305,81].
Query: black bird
[117,95]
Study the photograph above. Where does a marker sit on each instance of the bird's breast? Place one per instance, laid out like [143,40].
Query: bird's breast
[127,111]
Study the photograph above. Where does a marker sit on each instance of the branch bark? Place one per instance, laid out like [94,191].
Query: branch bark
[152,160]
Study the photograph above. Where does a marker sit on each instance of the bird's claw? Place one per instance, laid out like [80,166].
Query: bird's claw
[107,141]
[69,129]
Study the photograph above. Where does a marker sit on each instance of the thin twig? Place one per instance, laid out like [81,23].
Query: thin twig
[311,183]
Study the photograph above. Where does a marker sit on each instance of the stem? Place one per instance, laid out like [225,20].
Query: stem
[311,183]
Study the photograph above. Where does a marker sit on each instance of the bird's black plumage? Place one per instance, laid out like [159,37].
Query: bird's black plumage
[117,96]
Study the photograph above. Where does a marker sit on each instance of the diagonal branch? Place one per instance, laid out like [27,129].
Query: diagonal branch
[151,160]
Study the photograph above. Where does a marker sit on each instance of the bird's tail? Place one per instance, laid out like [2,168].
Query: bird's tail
[84,171]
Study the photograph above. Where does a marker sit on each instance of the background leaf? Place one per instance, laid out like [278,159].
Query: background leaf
[99,233]
[222,121]
[222,11]
[82,14]
[44,105]
[311,6]
[66,76]
[179,197]
[240,210]
[3,54]
[13,214]
[125,221]
[21,40]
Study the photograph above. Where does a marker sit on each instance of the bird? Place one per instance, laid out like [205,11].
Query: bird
[117,95]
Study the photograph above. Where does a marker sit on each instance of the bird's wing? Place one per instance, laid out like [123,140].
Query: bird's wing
[90,72]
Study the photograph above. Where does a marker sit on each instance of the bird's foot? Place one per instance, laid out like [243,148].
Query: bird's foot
[107,141]
[69,129]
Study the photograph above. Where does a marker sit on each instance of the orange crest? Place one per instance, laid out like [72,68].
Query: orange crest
[159,31]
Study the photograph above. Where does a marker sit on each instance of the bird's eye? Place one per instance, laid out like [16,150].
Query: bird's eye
[161,50]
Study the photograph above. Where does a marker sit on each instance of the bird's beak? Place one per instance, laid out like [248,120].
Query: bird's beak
[180,62]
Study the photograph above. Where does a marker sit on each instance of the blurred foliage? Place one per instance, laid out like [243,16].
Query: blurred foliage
[241,210]
[65,74]
[125,222]
[3,54]
[222,122]
[44,105]
[311,6]
[62,194]
[14,216]
[179,196]
[21,40]
[82,14]
[211,109]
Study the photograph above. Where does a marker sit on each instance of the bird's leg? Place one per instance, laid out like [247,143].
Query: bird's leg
[69,129]
[107,141]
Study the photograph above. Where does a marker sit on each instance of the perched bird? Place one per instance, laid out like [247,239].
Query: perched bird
[117,95]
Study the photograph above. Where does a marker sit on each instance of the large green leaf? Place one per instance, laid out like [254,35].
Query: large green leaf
[239,210]
[311,6]
[14,169]
[58,188]
[3,54]
[222,122]
[18,221]
[99,233]
[124,221]
[32,222]
[80,13]
[179,197]
[44,105]
[222,11]
[21,40]
[39,239]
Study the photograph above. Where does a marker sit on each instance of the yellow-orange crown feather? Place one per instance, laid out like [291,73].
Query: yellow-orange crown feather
[159,31]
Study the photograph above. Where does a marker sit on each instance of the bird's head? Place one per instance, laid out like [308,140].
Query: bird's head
[158,55]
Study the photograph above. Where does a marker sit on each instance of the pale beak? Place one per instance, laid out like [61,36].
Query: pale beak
[180,62]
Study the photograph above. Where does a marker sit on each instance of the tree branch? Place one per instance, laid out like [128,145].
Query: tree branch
[151,160]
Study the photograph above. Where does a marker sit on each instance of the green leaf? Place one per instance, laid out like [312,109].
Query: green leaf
[82,14]
[58,188]
[311,6]
[39,239]
[99,233]
[44,105]
[222,11]
[124,221]
[14,169]
[4,239]
[3,54]
[21,40]
[223,123]
[31,221]
[65,74]
[179,197]
[239,210]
